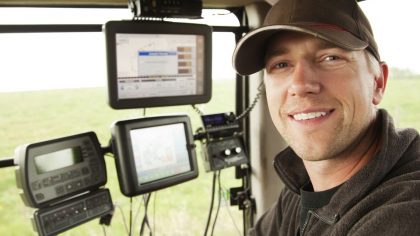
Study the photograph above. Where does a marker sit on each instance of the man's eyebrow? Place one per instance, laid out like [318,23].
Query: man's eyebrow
[276,52]
[321,45]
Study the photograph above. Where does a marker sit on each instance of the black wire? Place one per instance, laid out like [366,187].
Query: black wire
[257,97]
[211,203]
[218,204]
[103,230]
[145,221]
[196,109]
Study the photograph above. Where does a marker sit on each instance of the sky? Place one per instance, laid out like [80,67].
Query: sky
[395,26]
[38,61]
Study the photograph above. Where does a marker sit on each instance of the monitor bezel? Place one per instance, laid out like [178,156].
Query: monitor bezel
[112,28]
[124,157]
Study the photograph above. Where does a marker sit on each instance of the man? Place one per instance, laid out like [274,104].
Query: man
[347,170]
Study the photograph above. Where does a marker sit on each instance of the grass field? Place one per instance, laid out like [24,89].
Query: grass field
[402,100]
[28,117]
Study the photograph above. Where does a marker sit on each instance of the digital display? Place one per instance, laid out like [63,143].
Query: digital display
[159,152]
[214,120]
[57,160]
[152,153]
[159,65]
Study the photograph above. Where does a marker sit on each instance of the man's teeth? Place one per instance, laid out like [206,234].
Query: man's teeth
[307,116]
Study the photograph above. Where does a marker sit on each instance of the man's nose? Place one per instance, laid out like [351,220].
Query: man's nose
[304,81]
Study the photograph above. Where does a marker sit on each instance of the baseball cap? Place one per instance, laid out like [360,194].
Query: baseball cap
[340,22]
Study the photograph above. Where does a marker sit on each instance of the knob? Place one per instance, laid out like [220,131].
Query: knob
[227,152]
[237,150]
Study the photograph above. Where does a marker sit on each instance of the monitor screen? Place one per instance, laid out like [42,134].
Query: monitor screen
[159,152]
[157,63]
[153,153]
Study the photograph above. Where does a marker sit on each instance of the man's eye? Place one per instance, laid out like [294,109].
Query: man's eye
[277,66]
[332,58]
[280,65]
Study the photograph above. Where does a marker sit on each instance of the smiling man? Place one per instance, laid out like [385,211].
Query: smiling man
[347,170]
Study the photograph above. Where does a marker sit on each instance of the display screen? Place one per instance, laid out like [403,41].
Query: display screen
[159,65]
[57,160]
[159,152]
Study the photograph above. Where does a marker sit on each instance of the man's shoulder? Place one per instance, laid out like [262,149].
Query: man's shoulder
[396,209]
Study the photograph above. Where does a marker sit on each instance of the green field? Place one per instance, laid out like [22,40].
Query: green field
[28,117]
[402,100]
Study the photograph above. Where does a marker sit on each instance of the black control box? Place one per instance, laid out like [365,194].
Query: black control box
[168,8]
[222,142]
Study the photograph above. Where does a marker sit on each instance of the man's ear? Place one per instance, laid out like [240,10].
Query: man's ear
[380,84]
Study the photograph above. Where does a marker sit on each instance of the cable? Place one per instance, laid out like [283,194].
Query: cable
[218,204]
[196,109]
[145,221]
[103,230]
[211,203]
[138,211]
[233,220]
[257,97]
[123,218]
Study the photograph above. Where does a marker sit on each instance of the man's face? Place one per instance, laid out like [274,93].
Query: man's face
[321,98]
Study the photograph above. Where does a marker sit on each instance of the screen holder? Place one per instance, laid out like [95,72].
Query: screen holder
[157,63]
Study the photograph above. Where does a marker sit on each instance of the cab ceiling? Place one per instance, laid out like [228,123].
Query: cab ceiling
[115,3]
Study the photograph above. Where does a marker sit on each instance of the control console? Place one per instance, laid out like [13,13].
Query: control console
[221,141]
[56,219]
[63,179]
[50,171]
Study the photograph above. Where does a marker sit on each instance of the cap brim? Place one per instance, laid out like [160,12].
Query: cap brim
[249,53]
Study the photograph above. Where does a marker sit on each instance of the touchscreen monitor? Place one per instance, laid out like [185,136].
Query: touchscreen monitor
[157,63]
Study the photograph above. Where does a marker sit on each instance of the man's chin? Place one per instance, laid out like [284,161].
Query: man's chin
[311,153]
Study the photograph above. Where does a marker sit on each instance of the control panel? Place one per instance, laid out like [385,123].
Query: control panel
[56,219]
[223,153]
[221,141]
[50,171]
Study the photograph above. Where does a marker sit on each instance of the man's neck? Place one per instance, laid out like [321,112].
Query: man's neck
[330,173]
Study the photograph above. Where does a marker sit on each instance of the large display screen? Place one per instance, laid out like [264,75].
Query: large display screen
[157,63]
[153,153]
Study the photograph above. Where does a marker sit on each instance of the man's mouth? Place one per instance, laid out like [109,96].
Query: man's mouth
[309,115]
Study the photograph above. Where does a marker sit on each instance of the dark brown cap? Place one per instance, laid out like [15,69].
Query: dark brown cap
[340,22]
